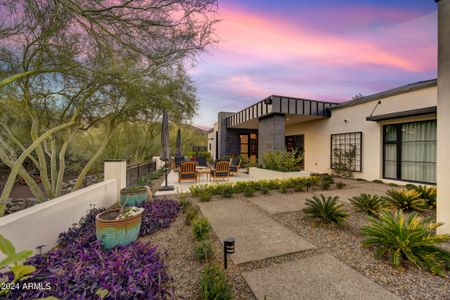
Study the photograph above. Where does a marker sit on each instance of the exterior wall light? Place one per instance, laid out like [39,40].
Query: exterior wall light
[228,248]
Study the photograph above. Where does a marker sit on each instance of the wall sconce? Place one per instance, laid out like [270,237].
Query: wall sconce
[228,248]
[346,121]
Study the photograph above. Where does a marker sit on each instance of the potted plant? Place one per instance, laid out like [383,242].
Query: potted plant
[133,195]
[118,226]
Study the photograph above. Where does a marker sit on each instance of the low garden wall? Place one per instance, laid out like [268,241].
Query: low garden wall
[41,224]
[260,173]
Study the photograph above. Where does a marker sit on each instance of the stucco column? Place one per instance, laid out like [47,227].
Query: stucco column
[271,132]
[443,117]
[116,169]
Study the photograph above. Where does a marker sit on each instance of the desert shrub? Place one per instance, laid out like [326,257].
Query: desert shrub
[405,200]
[205,195]
[249,191]
[393,184]
[158,214]
[377,181]
[407,238]
[196,189]
[264,190]
[300,187]
[328,178]
[227,191]
[283,161]
[427,193]
[200,228]
[184,203]
[203,250]
[214,284]
[361,179]
[410,186]
[340,185]
[274,184]
[325,185]
[370,204]
[284,186]
[191,213]
[326,209]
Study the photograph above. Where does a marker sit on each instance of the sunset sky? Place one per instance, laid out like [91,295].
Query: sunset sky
[325,50]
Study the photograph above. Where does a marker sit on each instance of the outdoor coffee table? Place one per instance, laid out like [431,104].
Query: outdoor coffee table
[203,171]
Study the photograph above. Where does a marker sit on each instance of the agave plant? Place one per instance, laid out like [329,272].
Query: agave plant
[427,193]
[370,204]
[327,209]
[407,238]
[405,200]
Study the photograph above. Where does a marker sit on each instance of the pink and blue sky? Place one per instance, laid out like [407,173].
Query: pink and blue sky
[325,50]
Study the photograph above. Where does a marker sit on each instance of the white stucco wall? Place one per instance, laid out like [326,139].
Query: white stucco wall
[212,141]
[352,119]
[42,223]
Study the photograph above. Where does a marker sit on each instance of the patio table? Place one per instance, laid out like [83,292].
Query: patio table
[203,171]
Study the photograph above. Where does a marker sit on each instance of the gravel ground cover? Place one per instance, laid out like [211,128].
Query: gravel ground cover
[176,243]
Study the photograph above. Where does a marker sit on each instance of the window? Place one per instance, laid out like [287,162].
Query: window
[244,145]
[409,151]
[346,151]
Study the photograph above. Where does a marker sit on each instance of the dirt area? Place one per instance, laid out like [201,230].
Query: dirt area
[177,244]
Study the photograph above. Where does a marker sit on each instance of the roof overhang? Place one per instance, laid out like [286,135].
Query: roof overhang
[404,114]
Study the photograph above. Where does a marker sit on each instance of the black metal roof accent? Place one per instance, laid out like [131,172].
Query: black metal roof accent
[404,114]
[392,92]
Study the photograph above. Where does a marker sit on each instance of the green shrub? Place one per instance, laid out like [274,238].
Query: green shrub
[214,284]
[377,181]
[284,186]
[191,213]
[328,178]
[361,179]
[405,200]
[249,191]
[427,193]
[393,184]
[300,187]
[205,195]
[325,185]
[274,184]
[340,185]
[196,189]
[227,191]
[407,238]
[370,204]
[200,228]
[410,186]
[203,250]
[283,161]
[326,209]
[264,190]
[184,203]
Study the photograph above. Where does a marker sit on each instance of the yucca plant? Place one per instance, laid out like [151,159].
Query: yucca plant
[326,209]
[407,238]
[370,204]
[427,193]
[405,200]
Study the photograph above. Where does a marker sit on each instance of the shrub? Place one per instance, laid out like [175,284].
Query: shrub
[264,190]
[249,191]
[283,161]
[370,204]
[300,187]
[158,214]
[184,203]
[407,238]
[393,184]
[191,213]
[340,185]
[227,191]
[203,250]
[427,193]
[410,186]
[284,186]
[326,209]
[377,181]
[328,178]
[325,185]
[405,200]
[361,179]
[205,195]
[214,284]
[195,190]
[200,228]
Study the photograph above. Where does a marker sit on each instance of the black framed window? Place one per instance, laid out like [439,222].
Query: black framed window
[409,151]
[346,151]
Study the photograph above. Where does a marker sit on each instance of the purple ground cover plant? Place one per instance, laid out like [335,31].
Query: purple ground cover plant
[78,267]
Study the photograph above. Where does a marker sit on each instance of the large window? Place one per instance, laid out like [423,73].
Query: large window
[410,151]
[346,151]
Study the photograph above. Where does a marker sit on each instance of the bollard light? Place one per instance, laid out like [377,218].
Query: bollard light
[228,248]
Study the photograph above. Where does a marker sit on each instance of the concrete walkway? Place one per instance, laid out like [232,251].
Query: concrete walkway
[316,277]
[257,235]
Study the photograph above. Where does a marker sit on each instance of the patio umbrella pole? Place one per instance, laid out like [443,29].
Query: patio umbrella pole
[165,155]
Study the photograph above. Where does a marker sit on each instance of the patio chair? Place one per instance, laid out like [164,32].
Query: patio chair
[221,171]
[187,171]
[235,165]
[201,162]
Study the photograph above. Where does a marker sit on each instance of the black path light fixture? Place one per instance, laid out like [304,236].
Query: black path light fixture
[228,248]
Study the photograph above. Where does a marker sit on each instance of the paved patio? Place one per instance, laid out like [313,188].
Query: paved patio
[257,235]
[184,186]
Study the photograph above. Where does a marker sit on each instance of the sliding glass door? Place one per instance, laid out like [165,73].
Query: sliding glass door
[410,151]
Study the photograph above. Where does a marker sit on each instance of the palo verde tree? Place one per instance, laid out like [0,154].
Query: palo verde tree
[61,59]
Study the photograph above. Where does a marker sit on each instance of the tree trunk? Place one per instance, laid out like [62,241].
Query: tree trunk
[62,164]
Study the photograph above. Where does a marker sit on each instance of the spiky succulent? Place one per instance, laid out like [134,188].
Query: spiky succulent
[370,204]
[326,209]
[407,200]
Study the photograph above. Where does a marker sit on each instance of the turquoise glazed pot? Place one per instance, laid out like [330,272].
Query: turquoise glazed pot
[133,197]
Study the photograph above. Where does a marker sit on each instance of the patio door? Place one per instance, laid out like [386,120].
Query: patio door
[249,146]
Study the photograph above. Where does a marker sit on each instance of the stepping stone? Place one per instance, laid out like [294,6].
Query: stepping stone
[281,203]
[316,277]
[257,235]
